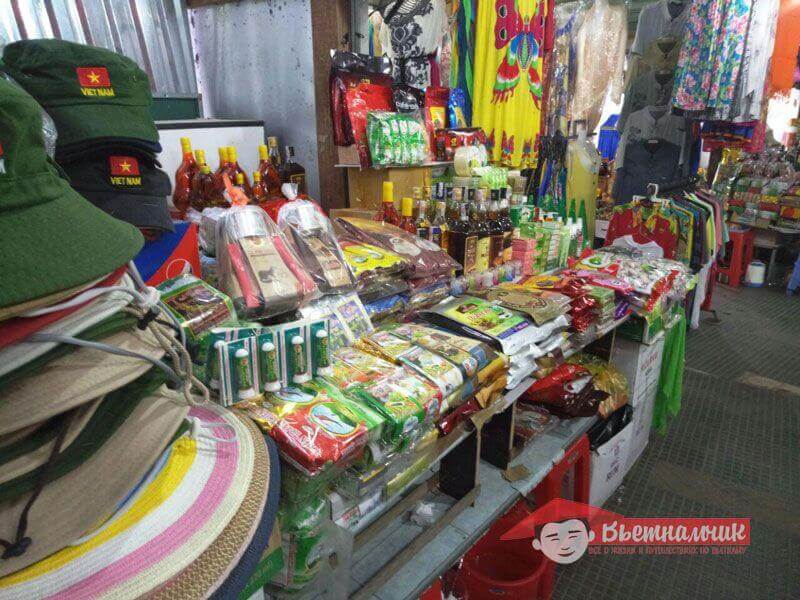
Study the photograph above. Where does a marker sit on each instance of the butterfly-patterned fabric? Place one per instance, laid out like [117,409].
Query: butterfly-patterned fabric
[507,93]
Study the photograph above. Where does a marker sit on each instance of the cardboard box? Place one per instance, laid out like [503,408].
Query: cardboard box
[640,363]
[641,424]
[609,464]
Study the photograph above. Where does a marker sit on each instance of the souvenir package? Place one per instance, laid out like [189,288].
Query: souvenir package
[303,536]
[436,369]
[447,141]
[396,139]
[312,234]
[381,288]
[197,306]
[347,317]
[348,71]
[383,308]
[235,374]
[207,231]
[456,105]
[369,263]
[316,428]
[258,268]
[568,391]
[408,99]
[424,258]
[423,297]
[501,328]
[541,306]
[606,378]
[435,112]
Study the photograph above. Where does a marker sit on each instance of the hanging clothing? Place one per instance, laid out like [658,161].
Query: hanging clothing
[784,56]
[658,20]
[568,18]
[462,51]
[653,88]
[644,223]
[660,55]
[608,140]
[583,175]
[760,41]
[507,92]
[670,380]
[600,59]
[711,57]
[655,123]
[409,34]
[647,161]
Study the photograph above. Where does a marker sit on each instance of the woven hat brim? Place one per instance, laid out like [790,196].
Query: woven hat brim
[75,379]
[72,505]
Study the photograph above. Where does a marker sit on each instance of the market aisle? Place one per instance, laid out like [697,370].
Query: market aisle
[731,452]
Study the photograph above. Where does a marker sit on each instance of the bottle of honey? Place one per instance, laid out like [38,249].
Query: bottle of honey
[183,180]
[270,176]
[237,170]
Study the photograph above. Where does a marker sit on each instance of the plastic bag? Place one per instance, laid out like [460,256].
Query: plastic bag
[568,391]
[396,139]
[259,270]
[407,99]
[423,257]
[435,112]
[456,107]
[361,100]
[607,378]
[197,306]
[316,243]
[209,221]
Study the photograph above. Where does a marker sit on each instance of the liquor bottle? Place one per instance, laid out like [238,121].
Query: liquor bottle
[421,222]
[274,152]
[237,170]
[480,227]
[463,241]
[270,177]
[389,212]
[200,158]
[407,212]
[496,231]
[240,182]
[453,196]
[183,179]
[292,172]
[506,224]
[439,232]
[259,188]
[430,204]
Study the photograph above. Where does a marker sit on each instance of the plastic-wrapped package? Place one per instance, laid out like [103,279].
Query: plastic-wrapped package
[379,289]
[435,112]
[607,378]
[368,261]
[197,306]
[396,139]
[568,391]
[316,428]
[348,71]
[447,141]
[423,257]
[456,105]
[316,243]
[302,527]
[207,234]
[408,99]
[540,305]
[348,319]
[259,270]
[386,307]
[427,296]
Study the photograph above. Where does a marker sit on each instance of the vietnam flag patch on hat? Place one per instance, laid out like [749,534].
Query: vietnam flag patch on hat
[124,170]
[94,81]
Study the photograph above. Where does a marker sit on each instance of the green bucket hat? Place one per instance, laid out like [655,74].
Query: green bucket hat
[51,238]
[89,92]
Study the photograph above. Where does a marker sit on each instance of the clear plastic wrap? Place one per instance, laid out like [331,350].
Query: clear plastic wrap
[369,262]
[424,258]
[396,139]
[207,234]
[259,270]
[607,378]
[304,223]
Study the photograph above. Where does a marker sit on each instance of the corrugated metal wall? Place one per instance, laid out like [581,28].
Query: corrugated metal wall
[155,33]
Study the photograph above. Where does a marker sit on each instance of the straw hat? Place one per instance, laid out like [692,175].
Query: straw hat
[71,505]
[180,532]
[24,454]
[74,379]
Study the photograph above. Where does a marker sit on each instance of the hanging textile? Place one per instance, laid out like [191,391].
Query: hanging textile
[583,175]
[600,59]
[609,138]
[567,18]
[462,51]
[749,99]
[670,381]
[787,40]
[507,91]
[711,57]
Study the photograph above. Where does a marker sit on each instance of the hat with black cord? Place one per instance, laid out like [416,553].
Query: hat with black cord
[51,238]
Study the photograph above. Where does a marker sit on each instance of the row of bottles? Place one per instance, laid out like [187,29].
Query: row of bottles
[198,188]
[472,224]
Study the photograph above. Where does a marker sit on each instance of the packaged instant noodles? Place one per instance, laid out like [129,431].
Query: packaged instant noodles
[396,139]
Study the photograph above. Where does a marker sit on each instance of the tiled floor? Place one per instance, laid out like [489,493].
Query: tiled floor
[734,450]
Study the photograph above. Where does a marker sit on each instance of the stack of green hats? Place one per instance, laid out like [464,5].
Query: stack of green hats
[106,138]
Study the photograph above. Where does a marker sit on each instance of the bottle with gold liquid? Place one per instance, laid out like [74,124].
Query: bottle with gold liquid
[270,176]
[237,170]
[183,179]
[259,189]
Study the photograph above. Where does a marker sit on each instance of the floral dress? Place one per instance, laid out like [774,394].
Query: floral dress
[711,57]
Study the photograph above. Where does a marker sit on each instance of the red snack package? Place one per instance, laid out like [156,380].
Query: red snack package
[549,387]
[435,113]
[360,100]
[455,138]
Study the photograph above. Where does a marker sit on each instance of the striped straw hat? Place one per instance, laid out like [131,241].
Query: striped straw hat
[187,530]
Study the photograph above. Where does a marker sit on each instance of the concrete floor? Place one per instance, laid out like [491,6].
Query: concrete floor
[734,450]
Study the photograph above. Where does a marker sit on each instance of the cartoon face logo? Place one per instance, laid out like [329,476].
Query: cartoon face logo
[564,542]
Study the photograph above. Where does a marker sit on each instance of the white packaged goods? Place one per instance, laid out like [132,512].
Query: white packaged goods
[609,465]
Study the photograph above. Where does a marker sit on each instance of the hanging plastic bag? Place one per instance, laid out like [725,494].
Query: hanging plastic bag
[259,270]
[396,139]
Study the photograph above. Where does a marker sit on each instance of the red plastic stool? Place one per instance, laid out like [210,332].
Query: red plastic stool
[576,460]
[740,251]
